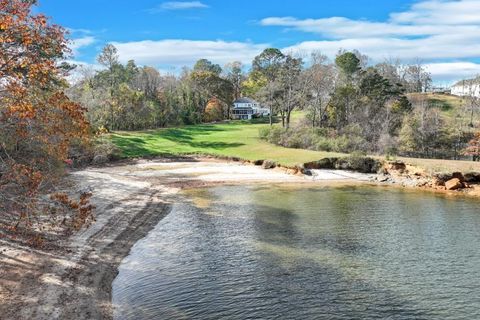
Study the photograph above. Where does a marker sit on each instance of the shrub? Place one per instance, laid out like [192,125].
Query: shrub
[276,135]
[324,144]
[263,133]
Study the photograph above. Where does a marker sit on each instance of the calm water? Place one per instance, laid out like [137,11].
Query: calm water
[240,252]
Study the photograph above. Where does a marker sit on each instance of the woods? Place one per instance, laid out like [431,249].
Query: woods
[353,106]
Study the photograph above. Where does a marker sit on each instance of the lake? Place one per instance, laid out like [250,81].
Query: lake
[285,252]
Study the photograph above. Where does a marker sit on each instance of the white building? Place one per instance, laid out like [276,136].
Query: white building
[246,109]
[469,87]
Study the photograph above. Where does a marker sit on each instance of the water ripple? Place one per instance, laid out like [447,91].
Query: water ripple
[283,253]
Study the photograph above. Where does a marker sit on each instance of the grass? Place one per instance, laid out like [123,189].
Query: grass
[438,165]
[240,139]
[234,139]
[451,106]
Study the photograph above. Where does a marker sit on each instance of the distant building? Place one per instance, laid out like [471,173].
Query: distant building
[246,109]
[469,87]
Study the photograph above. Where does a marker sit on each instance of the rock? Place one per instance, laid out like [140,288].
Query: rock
[437,182]
[359,164]
[258,162]
[354,163]
[325,163]
[472,177]
[453,184]
[422,183]
[268,164]
[397,166]
[459,176]
[443,176]
[343,164]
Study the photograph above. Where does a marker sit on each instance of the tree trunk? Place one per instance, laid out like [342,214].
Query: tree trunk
[270,116]
[288,118]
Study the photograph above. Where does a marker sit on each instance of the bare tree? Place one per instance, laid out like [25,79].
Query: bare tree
[415,77]
[234,73]
[321,83]
[473,97]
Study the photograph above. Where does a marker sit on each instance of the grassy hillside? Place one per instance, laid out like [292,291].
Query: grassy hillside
[449,105]
[235,139]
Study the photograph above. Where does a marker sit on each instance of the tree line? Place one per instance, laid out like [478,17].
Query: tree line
[130,97]
[350,104]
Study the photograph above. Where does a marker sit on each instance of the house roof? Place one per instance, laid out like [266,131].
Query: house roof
[244,100]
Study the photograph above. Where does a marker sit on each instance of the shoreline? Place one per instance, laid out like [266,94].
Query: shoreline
[131,198]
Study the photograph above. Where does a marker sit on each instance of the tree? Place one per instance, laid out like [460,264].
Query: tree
[109,59]
[473,148]
[382,105]
[234,74]
[38,123]
[321,83]
[204,65]
[473,97]
[207,80]
[213,110]
[416,78]
[348,63]
[293,86]
[148,80]
[267,67]
[268,63]
[422,133]
[345,97]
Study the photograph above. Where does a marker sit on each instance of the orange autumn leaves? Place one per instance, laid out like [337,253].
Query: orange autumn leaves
[473,148]
[38,122]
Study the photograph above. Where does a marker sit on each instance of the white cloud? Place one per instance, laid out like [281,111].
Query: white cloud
[438,12]
[437,47]
[451,71]
[178,53]
[78,43]
[79,31]
[341,28]
[432,30]
[178,5]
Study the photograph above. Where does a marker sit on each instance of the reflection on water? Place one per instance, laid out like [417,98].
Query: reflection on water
[238,252]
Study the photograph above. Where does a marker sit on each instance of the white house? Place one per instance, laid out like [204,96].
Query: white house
[469,87]
[246,109]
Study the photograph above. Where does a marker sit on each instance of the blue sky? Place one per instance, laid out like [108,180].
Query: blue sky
[444,34]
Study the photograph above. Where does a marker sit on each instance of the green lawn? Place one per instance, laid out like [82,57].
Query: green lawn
[240,139]
[235,139]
